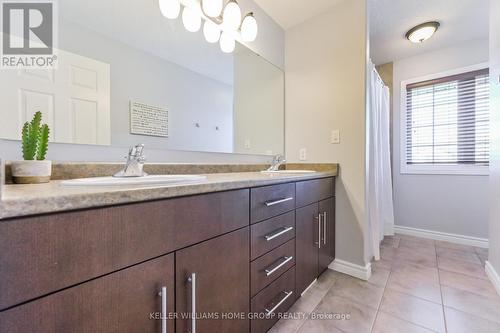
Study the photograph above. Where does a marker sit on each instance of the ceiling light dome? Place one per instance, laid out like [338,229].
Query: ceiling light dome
[212,8]
[211,32]
[249,28]
[170,8]
[422,32]
[231,16]
[191,19]
[227,42]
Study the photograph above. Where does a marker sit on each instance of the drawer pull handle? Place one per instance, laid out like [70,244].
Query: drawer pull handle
[287,294]
[276,202]
[281,264]
[278,233]
[192,280]
[163,294]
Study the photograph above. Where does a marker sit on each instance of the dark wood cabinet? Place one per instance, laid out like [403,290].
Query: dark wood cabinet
[307,246]
[125,301]
[315,235]
[221,284]
[219,255]
[327,250]
[51,252]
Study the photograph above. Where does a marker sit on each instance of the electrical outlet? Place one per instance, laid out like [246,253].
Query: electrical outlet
[335,137]
[303,154]
[248,145]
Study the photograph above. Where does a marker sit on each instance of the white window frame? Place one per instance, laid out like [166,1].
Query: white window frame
[461,169]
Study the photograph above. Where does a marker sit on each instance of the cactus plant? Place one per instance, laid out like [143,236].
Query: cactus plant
[35,139]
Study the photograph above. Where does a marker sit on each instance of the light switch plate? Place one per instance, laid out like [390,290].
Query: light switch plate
[248,145]
[303,154]
[335,137]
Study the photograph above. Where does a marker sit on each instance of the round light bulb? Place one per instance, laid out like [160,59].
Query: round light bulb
[249,28]
[227,42]
[191,19]
[211,32]
[422,32]
[212,8]
[170,8]
[231,18]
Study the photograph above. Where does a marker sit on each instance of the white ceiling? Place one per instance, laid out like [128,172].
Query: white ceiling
[288,13]
[461,20]
[140,24]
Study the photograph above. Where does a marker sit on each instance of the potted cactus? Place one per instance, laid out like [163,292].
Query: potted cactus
[35,141]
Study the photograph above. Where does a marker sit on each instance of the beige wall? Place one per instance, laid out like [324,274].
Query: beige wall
[325,65]
[494,256]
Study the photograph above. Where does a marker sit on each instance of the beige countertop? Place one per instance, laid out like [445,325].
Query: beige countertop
[23,200]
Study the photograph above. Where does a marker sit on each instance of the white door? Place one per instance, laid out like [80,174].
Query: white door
[74,100]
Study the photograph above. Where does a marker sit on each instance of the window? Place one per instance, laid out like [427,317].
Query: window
[447,124]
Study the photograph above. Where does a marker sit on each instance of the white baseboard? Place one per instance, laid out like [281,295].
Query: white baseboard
[358,271]
[493,275]
[442,236]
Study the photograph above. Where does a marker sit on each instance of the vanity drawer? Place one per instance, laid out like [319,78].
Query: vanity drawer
[118,302]
[270,266]
[269,201]
[315,190]
[39,255]
[278,296]
[270,234]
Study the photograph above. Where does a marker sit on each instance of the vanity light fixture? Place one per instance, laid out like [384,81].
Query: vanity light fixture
[223,23]
[422,32]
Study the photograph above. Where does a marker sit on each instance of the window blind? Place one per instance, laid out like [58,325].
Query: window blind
[447,120]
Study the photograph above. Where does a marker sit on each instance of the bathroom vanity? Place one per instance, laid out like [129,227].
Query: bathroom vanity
[226,255]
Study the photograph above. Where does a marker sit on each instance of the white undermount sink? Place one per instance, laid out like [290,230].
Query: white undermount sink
[146,180]
[288,171]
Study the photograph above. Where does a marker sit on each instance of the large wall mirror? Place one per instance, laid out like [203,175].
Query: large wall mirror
[128,75]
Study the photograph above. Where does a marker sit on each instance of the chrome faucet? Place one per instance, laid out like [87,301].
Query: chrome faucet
[135,163]
[278,160]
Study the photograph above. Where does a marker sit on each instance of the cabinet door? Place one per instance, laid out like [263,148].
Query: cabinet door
[213,280]
[306,238]
[327,220]
[125,301]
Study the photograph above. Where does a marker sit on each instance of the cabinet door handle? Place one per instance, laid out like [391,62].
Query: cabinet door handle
[287,294]
[325,219]
[192,280]
[319,231]
[270,271]
[276,202]
[278,233]
[163,294]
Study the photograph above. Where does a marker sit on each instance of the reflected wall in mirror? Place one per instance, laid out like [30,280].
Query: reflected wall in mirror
[193,97]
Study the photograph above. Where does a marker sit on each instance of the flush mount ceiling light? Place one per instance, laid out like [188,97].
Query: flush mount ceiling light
[223,23]
[422,32]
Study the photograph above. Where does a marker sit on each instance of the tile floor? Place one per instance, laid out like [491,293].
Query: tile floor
[419,285]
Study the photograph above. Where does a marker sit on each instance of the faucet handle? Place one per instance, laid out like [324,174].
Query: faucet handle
[279,159]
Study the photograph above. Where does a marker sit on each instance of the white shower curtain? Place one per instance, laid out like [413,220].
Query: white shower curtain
[379,190]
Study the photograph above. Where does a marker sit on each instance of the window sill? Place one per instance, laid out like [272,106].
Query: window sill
[445,170]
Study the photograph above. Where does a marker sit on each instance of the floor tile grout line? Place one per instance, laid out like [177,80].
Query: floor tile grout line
[407,321]
[473,315]
[381,299]
[393,315]
[441,293]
